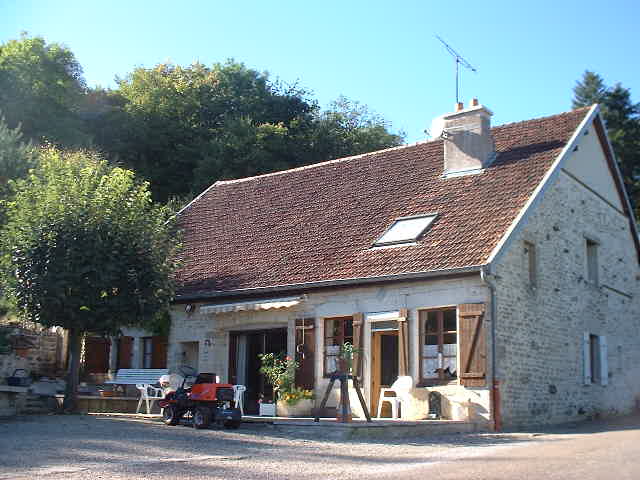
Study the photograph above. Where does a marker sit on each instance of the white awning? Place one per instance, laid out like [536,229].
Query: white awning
[384,316]
[273,303]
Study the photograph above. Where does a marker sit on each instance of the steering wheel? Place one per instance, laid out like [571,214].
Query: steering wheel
[187,371]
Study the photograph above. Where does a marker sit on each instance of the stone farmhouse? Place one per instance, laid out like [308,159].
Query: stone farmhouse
[498,267]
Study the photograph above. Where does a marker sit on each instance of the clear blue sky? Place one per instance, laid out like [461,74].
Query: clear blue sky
[382,53]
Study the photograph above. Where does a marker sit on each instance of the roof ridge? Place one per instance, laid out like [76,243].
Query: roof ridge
[322,164]
[375,152]
[546,117]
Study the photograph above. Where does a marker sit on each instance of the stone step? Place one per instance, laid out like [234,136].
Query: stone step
[36,404]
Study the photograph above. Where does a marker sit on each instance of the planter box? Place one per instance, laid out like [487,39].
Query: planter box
[304,408]
[267,410]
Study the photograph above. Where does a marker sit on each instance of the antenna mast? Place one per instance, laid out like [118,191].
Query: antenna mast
[459,60]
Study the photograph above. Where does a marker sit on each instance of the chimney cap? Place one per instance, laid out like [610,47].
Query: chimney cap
[459,107]
[474,102]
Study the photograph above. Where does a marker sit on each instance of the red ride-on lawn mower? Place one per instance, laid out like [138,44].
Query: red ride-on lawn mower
[204,401]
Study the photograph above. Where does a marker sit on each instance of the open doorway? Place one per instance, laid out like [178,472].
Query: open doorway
[244,362]
[384,364]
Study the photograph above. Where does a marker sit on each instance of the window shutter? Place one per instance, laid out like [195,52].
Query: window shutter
[125,352]
[604,364]
[473,350]
[403,356]
[305,352]
[358,321]
[586,354]
[159,352]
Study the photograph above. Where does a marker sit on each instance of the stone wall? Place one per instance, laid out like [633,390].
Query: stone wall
[540,328]
[45,358]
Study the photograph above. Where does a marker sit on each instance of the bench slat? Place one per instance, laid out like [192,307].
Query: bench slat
[131,376]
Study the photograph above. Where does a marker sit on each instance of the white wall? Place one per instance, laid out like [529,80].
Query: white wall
[333,303]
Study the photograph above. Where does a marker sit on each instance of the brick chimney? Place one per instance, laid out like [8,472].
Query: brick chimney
[468,144]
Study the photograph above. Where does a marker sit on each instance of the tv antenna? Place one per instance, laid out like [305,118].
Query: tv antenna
[459,60]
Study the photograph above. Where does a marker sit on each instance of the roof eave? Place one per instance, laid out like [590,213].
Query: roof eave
[328,284]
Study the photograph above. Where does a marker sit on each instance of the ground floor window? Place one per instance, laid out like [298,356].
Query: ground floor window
[337,332]
[147,352]
[438,346]
[596,370]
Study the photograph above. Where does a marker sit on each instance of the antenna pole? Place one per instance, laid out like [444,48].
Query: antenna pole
[459,60]
[457,79]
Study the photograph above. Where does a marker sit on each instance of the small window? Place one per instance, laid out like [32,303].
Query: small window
[594,358]
[337,332]
[147,352]
[592,261]
[531,263]
[405,230]
[596,369]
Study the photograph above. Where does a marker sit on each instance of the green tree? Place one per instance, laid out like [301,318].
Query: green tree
[347,128]
[41,88]
[172,119]
[589,90]
[16,158]
[183,128]
[622,118]
[85,248]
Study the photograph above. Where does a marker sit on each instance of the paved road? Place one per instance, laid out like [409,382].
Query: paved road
[106,448]
[592,451]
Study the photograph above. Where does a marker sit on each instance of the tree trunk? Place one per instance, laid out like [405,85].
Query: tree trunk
[70,401]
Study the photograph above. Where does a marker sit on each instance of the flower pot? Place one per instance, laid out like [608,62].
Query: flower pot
[21,351]
[302,408]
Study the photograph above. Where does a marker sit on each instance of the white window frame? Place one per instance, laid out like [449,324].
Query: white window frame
[405,241]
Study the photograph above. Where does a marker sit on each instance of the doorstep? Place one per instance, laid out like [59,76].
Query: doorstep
[361,429]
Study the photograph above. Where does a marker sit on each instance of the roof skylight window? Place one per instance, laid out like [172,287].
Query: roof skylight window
[405,230]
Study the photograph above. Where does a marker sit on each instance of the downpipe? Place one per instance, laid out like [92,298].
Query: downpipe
[487,278]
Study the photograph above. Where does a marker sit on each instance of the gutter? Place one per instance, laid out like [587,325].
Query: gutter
[487,277]
[327,283]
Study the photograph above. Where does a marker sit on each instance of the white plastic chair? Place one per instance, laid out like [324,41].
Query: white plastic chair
[148,394]
[238,397]
[401,388]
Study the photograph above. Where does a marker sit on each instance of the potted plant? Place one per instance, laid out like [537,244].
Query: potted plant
[345,357]
[280,373]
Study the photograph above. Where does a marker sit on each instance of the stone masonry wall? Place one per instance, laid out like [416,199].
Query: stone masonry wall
[540,328]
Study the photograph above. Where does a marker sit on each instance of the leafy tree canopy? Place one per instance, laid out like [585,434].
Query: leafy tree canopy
[85,248]
[185,127]
[16,157]
[180,128]
[622,118]
[41,86]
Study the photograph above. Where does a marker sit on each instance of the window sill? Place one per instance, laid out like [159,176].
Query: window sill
[437,384]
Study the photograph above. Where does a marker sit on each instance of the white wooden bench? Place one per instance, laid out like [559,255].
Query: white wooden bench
[134,376]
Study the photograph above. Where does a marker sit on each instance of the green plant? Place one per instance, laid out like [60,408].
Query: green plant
[5,345]
[295,395]
[346,354]
[280,372]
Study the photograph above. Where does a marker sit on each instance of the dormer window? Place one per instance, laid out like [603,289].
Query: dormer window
[405,230]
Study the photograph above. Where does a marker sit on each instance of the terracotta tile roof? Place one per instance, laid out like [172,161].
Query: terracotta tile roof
[318,223]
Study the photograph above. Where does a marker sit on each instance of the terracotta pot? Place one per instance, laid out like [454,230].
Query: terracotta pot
[302,408]
[343,365]
[21,352]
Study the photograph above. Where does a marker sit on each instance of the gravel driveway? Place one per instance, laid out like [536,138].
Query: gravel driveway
[101,447]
